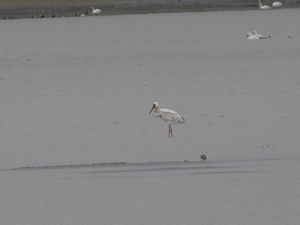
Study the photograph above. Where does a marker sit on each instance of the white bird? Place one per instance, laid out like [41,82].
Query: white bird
[276,4]
[167,115]
[263,6]
[254,36]
[96,11]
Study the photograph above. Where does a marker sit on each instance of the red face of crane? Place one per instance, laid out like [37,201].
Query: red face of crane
[152,108]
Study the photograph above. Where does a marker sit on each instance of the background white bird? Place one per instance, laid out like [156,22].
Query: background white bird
[167,115]
[263,6]
[254,36]
[96,11]
[276,4]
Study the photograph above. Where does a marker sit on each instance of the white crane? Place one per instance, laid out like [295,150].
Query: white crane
[167,115]
[96,11]
[263,6]
[276,4]
[254,36]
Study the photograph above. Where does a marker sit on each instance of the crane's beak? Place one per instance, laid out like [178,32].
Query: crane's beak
[152,109]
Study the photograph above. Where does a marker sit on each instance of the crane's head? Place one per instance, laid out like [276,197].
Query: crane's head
[155,105]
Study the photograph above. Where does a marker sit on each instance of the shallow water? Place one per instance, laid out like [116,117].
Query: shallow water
[78,91]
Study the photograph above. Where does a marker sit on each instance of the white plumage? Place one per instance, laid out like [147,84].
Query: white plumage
[167,115]
[263,6]
[96,11]
[254,36]
[276,4]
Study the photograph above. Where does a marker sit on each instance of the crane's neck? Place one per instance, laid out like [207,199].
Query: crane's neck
[156,112]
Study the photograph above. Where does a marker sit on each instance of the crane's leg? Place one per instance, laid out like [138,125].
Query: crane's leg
[170,131]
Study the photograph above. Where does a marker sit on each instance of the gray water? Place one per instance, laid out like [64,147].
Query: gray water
[78,91]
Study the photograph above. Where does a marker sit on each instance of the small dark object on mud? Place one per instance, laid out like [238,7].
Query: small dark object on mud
[203,157]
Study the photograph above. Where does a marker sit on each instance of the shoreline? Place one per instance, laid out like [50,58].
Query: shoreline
[32,9]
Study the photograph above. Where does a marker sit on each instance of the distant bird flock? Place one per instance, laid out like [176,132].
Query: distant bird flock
[254,35]
[96,12]
[275,4]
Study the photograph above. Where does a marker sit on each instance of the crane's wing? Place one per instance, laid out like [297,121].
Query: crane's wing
[171,116]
